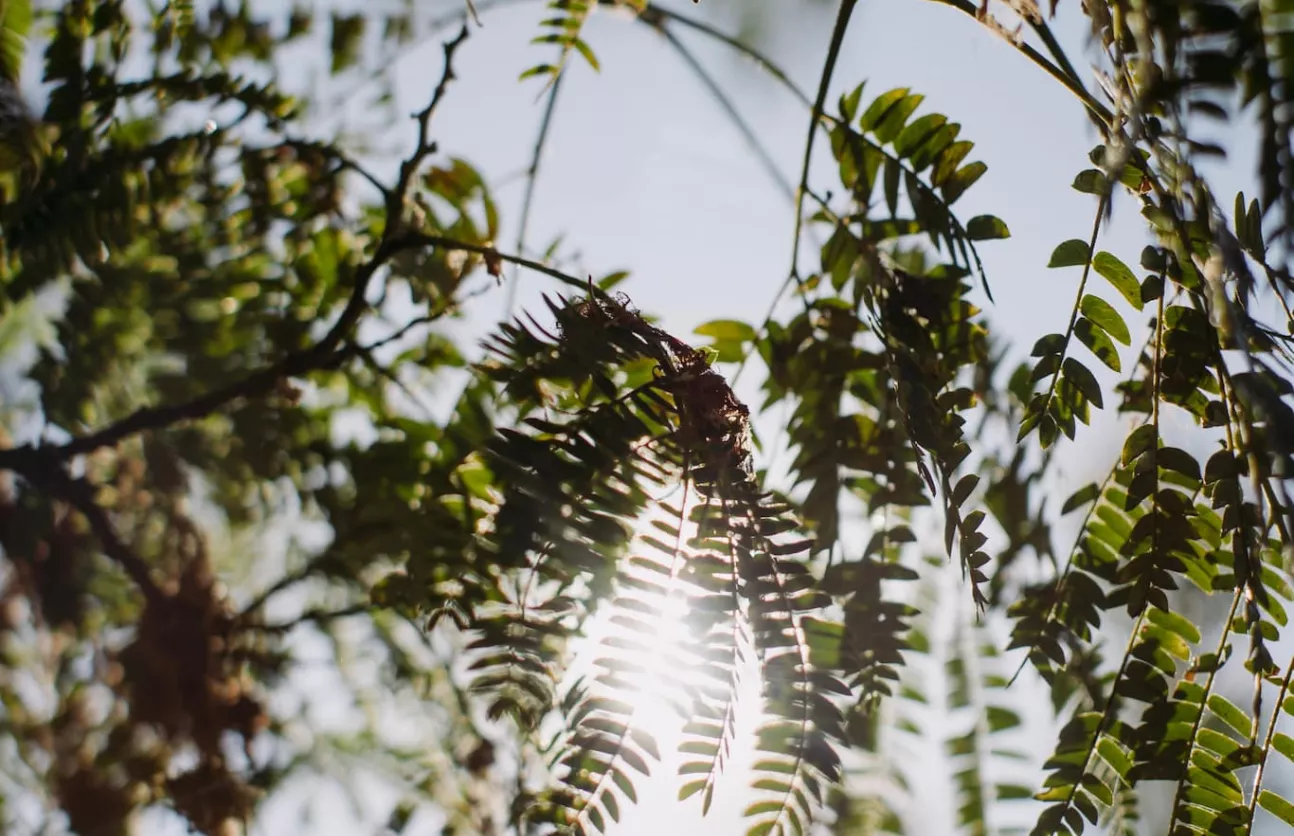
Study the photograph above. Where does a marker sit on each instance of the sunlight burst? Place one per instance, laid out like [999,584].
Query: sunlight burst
[644,649]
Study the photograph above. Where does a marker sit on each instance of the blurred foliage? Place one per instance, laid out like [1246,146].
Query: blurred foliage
[234,460]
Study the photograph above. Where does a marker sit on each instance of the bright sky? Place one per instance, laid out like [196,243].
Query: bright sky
[643,172]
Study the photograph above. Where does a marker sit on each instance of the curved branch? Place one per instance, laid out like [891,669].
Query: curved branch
[726,104]
[1064,72]
[656,17]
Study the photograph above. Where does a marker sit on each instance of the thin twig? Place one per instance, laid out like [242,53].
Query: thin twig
[471,10]
[819,104]
[655,16]
[418,239]
[344,162]
[726,104]
[532,176]
[424,146]
[314,616]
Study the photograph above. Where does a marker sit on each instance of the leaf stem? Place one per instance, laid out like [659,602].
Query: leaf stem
[532,176]
[1267,744]
[824,84]
[1107,714]
[1064,73]
[1078,298]
[1180,792]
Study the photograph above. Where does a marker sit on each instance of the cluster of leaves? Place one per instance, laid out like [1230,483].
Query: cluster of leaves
[1165,513]
[194,260]
[878,384]
[652,413]
[565,30]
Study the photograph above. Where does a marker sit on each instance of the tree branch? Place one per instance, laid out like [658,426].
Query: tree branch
[323,354]
[297,363]
[424,147]
[313,616]
[45,472]
[726,104]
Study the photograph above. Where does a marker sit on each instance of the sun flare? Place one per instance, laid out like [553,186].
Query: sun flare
[643,650]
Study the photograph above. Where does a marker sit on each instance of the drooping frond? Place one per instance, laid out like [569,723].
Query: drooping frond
[629,406]
[564,29]
[878,367]
[983,755]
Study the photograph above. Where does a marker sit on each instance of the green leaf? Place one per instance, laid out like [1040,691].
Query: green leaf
[1284,744]
[537,70]
[1277,806]
[1081,497]
[1174,623]
[961,180]
[612,279]
[584,49]
[849,104]
[1151,289]
[880,106]
[1139,441]
[1100,312]
[1114,755]
[1084,381]
[917,133]
[14,25]
[1047,431]
[1120,276]
[1098,342]
[1048,344]
[1229,713]
[1179,461]
[948,159]
[963,489]
[986,228]
[1090,181]
[893,173]
[1071,253]
[347,34]
[690,789]
[1000,718]
[726,329]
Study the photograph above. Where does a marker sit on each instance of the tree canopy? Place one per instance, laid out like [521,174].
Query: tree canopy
[240,438]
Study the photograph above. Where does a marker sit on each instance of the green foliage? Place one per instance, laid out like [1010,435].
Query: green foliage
[526,543]
[564,29]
